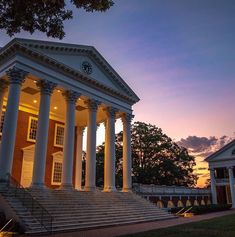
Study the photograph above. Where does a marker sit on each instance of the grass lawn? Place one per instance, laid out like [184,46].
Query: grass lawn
[221,227]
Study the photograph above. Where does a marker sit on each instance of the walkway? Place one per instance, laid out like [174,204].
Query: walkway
[135,228]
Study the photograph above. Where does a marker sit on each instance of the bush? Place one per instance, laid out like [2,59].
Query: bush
[204,209]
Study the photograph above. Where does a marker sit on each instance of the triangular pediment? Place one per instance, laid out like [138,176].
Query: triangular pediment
[74,57]
[225,153]
[76,62]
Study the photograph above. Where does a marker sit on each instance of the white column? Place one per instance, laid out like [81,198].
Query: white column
[109,157]
[3,87]
[213,186]
[91,146]
[231,182]
[16,78]
[78,170]
[46,89]
[127,159]
[67,170]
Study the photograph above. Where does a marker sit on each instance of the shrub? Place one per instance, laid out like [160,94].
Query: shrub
[2,219]
[204,209]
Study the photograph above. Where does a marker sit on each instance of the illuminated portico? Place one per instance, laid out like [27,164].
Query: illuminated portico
[75,86]
[222,170]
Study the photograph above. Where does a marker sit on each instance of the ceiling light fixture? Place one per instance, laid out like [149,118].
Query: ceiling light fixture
[35,101]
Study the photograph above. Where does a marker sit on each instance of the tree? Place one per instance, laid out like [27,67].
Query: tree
[46,16]
[156,158]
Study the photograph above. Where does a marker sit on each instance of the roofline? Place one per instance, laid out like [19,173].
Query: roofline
[18,44]
[61,45]
[220,151]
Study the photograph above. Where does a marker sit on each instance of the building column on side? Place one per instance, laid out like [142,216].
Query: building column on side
[90,176]
[213,186]
[39,165]
[78,170]
[68,152]
[127,159]
[3,88]
[109,156]
[231,183]
[16,77]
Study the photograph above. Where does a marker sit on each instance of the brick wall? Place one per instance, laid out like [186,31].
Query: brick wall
[21,142]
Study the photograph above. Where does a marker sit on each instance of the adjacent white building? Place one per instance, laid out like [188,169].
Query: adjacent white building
[222,170]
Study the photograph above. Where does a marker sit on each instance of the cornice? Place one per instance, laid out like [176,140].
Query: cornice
[26,48]
[88,50]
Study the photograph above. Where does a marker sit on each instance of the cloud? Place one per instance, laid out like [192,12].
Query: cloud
[203,146]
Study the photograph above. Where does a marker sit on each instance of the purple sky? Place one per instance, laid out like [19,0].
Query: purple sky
[177,55]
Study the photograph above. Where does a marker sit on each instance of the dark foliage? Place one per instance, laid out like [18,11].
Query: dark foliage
[46,16]
[156,159]
[198,210]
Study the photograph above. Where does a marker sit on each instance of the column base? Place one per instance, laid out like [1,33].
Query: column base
[127,190]
[110,189]
[90,189]
[38,186]
[67,187]
[79,188]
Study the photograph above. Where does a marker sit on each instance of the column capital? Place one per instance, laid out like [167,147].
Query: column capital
[92,104]
[16,75]
[127,118]
[230,167]
[3,85]
[111,111]
[71,96]
[46,87]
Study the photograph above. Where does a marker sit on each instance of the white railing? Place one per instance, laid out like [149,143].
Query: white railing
[169,190]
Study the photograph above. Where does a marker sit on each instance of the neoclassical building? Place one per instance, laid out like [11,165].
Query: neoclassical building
[221,166]
[50,92]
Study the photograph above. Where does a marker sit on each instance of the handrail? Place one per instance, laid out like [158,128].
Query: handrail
[179,212]
[187,210]
[32,204]
[6,225]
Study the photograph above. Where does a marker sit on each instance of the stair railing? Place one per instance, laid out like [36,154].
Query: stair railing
[32,204]
[3,228]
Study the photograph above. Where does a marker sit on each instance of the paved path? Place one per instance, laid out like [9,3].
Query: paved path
[135,228]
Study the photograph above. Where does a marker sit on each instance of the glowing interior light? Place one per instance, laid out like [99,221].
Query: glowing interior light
[55,107]
[35,101]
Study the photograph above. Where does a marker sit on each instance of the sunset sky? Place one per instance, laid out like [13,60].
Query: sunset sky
[179,58]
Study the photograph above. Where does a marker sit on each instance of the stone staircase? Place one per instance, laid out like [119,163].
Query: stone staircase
[27,220]
[73,210]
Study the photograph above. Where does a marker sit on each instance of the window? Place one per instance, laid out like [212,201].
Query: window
[32,129]
[2,121]
[59,135]
[57,173]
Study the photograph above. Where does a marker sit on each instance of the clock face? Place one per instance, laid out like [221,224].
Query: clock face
[86,67]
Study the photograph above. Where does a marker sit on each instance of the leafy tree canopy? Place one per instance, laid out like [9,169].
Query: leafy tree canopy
[156,158]
[46,16]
